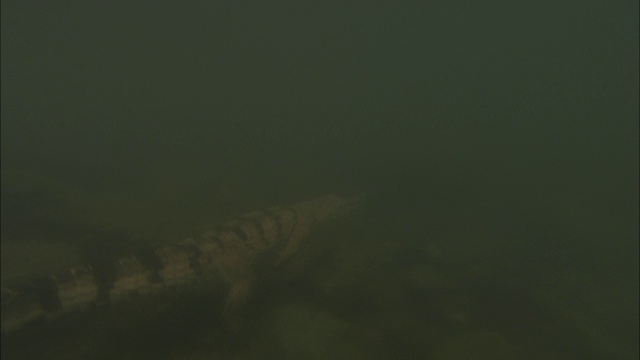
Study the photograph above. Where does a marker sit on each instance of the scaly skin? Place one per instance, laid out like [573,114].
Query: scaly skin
[227,254]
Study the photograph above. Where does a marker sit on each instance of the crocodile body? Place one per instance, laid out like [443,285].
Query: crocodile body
[228,254]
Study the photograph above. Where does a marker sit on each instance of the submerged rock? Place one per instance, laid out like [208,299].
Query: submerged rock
[302,332]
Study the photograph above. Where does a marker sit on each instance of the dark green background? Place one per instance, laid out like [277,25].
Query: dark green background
[522,116]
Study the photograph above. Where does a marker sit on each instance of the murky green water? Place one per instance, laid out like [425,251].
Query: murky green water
[496,143]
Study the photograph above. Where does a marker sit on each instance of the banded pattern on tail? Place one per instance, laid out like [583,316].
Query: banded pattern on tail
[227,253]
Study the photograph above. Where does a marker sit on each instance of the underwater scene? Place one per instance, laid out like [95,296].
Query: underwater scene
[255,180]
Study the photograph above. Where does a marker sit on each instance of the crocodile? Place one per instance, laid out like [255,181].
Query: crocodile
[228,254]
